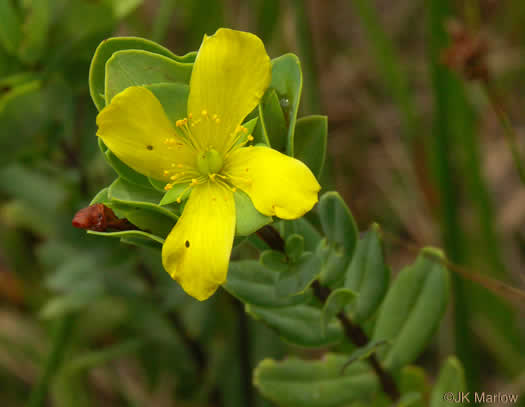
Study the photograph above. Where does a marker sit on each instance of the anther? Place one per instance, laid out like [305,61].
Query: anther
[204,112]
[250,137]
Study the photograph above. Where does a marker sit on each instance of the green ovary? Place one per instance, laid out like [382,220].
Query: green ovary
[210,162]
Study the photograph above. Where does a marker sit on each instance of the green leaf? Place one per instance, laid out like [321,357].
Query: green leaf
[315,383]
[310,142]
[298,276]
[367,275]
[335,303]
[141,241]
[294,247]
[97,70]
[338,223]
[248,219]
[412,309]
[274,260]
[287,81]
[126,194]
[35,28]
[341,238]
[334,264]
[451,379]
[298,324]
[252,283]
[272,121]
[10,28]
[138,68]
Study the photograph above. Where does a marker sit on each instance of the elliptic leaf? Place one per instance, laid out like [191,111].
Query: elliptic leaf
[310,142]
[315,383]
[412,309]
[298,324]
[367,275]
[252,283]
[451,379]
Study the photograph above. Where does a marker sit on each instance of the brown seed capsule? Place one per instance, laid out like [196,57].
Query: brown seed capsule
[100,218]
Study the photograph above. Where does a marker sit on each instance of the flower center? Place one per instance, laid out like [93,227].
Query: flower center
[210,162]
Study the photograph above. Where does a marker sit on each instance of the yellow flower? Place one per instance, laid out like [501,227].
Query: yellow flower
[208,152]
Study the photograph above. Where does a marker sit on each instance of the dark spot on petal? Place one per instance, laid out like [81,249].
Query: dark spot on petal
[187,244]
[150,147]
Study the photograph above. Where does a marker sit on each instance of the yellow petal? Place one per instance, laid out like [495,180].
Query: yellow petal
[230,75]
[197,251]
[135,128]
[276,183]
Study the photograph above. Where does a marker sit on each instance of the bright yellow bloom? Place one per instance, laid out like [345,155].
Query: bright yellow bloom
[208,152]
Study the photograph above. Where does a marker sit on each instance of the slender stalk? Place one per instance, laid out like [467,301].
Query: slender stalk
[62,333]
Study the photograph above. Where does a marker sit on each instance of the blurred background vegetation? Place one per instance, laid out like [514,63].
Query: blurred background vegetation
[423,150]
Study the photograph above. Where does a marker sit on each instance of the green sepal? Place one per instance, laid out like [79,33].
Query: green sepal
[146,220]
[298,324]
[248,219]
[252,283]
[310,142]
[272,121]
[97,69]
[367,275]
[138,68]
[451,379]
[315,383]
[413,309]
[177,191]
[335,303]
[287,81]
